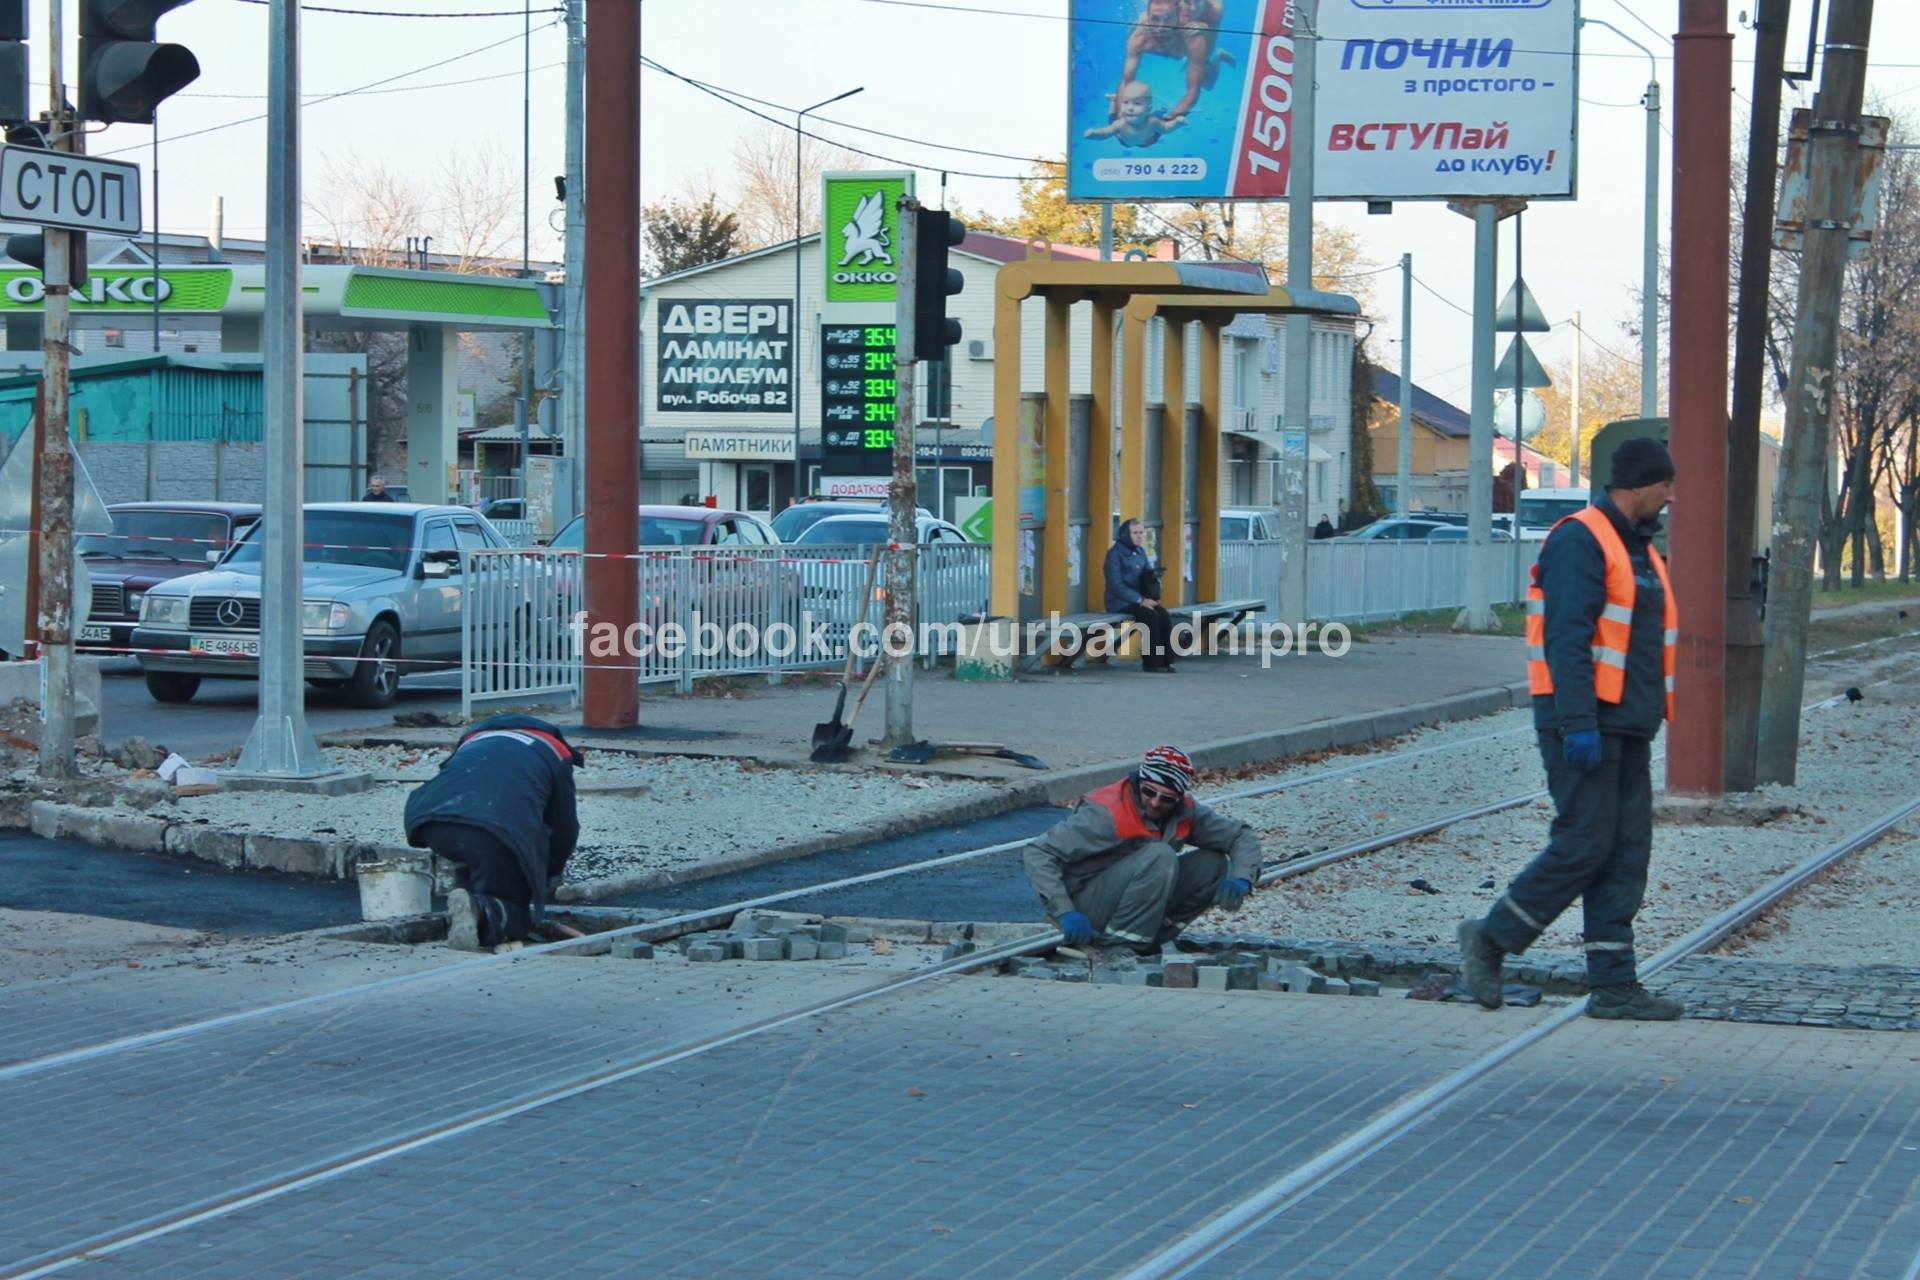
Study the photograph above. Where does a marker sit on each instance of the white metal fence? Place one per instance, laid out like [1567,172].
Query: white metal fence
[1369,581]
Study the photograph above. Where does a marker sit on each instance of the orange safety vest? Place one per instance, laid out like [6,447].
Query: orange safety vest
[1128,822]
[1615,628]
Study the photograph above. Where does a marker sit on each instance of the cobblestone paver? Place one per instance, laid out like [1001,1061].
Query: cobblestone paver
[1676,1150]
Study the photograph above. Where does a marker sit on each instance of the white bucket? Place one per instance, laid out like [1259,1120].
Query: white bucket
[400,887]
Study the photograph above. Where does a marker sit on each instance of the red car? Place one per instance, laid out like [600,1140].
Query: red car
[151,543]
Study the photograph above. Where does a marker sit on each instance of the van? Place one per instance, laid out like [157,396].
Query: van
[1544,508]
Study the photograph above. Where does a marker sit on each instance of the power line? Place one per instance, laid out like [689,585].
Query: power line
[395,13]
[405,88]
[1443,297]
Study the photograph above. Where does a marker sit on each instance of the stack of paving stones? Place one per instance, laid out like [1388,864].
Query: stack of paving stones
[1232,969]
[757,937]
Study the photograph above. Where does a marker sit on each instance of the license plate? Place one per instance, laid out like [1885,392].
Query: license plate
[96,635]
[227,646]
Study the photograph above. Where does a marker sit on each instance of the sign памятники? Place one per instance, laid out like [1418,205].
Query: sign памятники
[725,355]
[69,192]
[1435,100]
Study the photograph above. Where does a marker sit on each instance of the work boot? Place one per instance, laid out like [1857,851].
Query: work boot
[463,922]
[1632,1003]
[1480,964]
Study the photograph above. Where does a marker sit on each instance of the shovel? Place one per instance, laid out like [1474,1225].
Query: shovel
[833,730]
[837,746]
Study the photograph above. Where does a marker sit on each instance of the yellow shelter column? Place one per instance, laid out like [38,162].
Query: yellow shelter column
[1173,466]
[1100,455]
[1053,546]
[1206,463]
[1133,410]
[1011,288]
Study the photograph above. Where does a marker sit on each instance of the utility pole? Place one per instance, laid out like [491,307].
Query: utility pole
[1833,145]
[1478,613]
[523,404]
[1403,474]
[56,458]
[573,384]
[1573,454]
[903,525]
[1513,591]
[1697,402]
[1650,261]
[610,695]
[1292,499]
[1746,647]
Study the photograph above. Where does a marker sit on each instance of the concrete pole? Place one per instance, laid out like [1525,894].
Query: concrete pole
[1833,155]
[610,694]
[281,743]
[573,386]
[1292,498]
[1513,591]
[1106,232]
[55,601]
[1478,614]
[1702,145]
[1650,264]
[903,503]
[1573,454]
[1403,475]
[1746,652]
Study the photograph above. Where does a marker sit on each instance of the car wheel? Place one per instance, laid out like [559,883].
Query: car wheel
[172,686]
[376,678]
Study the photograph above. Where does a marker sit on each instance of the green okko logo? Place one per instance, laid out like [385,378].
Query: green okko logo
[863,235]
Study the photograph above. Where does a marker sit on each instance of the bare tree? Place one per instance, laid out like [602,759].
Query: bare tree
[763,178]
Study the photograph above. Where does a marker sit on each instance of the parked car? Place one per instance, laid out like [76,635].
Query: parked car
[1397,529]
[800,517]
[756,590]
[381,584]
[1541,509]
[151,543]
[1249,524]
[504,509]
[1458,533]
[832,590]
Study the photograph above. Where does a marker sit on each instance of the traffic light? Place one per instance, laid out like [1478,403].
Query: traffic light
[15,84]
[124,73]
[31,250]
[934,282]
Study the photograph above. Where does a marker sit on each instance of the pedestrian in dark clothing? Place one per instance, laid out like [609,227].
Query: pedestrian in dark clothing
[1601,632]
[1325,528]
[376,491]
[1133,588]
[502,809]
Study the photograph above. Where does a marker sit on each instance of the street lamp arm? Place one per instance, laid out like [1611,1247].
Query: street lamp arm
[1653,63]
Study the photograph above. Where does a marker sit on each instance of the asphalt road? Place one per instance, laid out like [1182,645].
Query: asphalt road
[223,712]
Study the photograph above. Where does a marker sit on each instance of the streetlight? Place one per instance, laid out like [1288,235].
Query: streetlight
[1650,264]
[798,199]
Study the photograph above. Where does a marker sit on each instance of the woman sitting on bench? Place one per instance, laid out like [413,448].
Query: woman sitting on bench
[1133,588]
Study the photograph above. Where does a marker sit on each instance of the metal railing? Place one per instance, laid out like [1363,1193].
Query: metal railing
[1369,581]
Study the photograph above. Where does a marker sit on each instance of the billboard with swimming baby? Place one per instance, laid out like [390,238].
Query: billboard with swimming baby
[1418,99]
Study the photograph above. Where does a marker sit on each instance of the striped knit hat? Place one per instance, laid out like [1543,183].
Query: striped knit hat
[1167,767]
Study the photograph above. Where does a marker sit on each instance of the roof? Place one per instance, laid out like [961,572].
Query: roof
[194,506]
[1428,409]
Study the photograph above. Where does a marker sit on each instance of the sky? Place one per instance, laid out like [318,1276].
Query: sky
[987,75]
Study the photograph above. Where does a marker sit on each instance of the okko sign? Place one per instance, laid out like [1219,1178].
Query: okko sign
[726,356]
[863,239]
[1418,99]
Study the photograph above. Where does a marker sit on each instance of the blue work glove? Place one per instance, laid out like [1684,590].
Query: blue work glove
[1076,927]
[1232,893]
[1582,748]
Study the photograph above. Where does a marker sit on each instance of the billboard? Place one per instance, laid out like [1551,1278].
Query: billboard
[862,235]
[725,355]
[1418,99]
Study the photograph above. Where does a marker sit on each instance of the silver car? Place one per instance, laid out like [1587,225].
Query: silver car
[381,587]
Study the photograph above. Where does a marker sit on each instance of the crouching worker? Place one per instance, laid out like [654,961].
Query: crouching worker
[502,810]
[1114,872]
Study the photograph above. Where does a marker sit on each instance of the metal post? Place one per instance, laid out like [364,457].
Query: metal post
[55,596]
[799,200]
[1650,263]
[903,530]
[1478,614]
[1106,232]
[1573,453]
[1832,205]
[523,407]
[281,743]
[154,173]
[1697,400]
[1512,593]
[1403,476]
[610,693]
[1746,652]
[574,369]
[1292,500]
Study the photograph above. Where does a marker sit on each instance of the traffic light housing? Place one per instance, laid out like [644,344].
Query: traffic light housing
[31,250]
[16,86]
[934,282]
[124,71]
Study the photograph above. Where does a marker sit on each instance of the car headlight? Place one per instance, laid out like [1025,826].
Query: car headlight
[163,611]
[323,615]
[136,600]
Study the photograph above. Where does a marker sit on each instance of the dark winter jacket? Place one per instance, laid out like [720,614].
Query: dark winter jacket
[371,496]
[1127,570]
[512,783]
[1573,579]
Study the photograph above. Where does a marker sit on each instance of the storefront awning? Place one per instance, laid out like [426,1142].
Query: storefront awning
[1276,442]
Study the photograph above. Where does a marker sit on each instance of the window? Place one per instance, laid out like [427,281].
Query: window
[115,337]
[726,535]
[469,536]
[1320,481]
[148,534]
[346,537]
[754,534]
[439,544]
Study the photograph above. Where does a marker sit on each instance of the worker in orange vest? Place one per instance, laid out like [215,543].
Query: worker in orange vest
[1601,631]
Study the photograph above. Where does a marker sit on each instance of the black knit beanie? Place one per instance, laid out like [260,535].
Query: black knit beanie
[1640,462]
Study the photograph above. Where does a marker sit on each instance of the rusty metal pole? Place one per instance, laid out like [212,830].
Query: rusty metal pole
[1697,360]
[611,687]
[1746,649]
[903,500]
[55,603]
[1833,203]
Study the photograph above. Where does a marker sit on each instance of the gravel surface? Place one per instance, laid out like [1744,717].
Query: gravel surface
[637,814]
[1856,765]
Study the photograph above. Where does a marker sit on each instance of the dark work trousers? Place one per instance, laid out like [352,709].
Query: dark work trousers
[1159,624]
[489,871]
[1145,899]
[1597,850]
